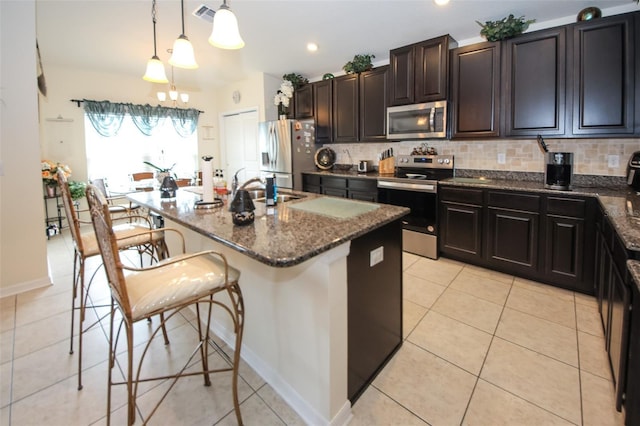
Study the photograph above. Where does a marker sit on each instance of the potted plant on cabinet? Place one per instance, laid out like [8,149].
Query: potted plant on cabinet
[505,28]
[358,64]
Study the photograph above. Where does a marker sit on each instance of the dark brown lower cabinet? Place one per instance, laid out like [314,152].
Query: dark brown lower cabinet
[337,186]
[374,305]
[535,236]
[512,240]
[632,389]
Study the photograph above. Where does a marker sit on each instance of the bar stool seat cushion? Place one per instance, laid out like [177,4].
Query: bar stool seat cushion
[126,234]
[175,281]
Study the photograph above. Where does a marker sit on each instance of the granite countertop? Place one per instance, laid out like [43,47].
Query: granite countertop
[281,236]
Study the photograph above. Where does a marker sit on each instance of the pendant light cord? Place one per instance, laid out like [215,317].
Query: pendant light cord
[153,18]
[182,14]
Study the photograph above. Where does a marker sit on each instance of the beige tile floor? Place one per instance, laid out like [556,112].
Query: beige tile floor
[481,348]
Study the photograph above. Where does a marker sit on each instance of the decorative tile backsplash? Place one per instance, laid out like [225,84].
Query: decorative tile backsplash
[591,156]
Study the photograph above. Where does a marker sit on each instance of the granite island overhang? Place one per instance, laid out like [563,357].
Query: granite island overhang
[299,265]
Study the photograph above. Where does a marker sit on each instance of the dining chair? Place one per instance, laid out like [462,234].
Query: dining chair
[130,236]
[183,182]
[170,286]
[116,207]
[142,181]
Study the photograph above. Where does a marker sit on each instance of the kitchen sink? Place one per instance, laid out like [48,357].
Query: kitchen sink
[258,195]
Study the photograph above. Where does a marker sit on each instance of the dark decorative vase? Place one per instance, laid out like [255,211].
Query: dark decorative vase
[242,208]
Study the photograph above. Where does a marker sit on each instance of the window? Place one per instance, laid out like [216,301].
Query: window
[116,157]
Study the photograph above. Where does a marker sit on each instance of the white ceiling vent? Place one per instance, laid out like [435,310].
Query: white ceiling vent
[204,12]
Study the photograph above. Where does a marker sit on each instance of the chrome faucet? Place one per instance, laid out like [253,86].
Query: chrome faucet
[252,180]
[234,183]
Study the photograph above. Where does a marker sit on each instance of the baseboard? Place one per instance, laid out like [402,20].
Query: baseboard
[12,290]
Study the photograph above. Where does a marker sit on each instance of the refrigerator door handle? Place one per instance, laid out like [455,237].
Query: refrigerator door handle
[271,143]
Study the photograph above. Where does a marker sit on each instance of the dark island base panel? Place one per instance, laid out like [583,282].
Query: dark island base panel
[374,305]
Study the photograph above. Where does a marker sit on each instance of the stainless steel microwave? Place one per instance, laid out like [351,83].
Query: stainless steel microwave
[417,121]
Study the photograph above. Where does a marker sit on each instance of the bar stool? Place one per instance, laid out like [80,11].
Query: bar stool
[183,281]
[85,246]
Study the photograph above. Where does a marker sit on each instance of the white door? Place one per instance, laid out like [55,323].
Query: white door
[240,145]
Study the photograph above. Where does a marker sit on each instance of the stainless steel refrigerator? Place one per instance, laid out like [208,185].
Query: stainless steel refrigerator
[287,148]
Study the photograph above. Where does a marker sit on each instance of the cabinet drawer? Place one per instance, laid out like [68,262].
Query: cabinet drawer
[368,185]
[566,207]
[509,200]
[334,182]
[461,195]
[313,180]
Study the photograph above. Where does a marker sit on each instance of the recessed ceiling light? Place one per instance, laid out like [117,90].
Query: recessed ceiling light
[312,47]
[441,2]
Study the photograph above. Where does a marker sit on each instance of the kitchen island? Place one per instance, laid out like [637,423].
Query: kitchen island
[302,265]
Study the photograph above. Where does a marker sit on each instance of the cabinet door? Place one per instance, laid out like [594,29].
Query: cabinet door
[534,83]
[363,189]
[512,240]
[345,103]
[303,101]
[334,192]
[401,64]
[603,77]
[475,90]
[323,106]
[461,231]
[564,246]
[431,70]
[373,104]
[619,329]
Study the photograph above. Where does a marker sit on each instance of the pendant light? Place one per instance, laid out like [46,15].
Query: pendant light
[225,34]
[155,68]
[182,56]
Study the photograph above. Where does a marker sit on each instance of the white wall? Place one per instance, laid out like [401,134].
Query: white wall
[23,263]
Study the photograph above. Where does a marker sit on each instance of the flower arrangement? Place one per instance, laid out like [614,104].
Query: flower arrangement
[77,189]
[281,100]
[160,169]
[50,172]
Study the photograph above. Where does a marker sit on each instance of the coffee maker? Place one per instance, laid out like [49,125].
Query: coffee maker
[558,172]
[633,171]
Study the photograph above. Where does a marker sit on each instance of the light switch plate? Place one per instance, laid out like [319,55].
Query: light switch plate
[376,256]
[502,158]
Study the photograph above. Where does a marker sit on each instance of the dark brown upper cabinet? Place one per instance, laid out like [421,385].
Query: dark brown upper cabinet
[323,109]
[373,104]
[604,76]
[359,106]
[475,90]
[420,72]
[346,94]
[534,83]
[303,101]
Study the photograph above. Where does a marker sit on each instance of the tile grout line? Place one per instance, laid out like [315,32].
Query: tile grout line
[486,355]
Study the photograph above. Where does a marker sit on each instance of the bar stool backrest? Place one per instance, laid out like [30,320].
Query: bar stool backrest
[108,247]
[70,211]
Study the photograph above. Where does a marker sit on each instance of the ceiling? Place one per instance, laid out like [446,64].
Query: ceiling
[116,35]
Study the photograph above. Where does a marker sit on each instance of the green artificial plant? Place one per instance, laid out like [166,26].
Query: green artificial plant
[296,80]
[505,28]
[360,63]
[77,189]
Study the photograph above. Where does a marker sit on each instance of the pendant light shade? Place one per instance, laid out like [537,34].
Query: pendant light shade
[182,56]
[155,71]
[225,34]
[155,68]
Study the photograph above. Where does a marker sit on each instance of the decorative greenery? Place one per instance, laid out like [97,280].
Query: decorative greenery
[160,169]
[328,75]
[296,80]
[360,63]
[50,172]
[77,189]
[505,28]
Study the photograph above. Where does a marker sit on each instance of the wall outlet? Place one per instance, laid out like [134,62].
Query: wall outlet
[376,256]
[502,158]
[613,161]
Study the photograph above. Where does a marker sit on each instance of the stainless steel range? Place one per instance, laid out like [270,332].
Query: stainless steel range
[415,185]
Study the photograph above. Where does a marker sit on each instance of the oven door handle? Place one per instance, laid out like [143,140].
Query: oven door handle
[418,187]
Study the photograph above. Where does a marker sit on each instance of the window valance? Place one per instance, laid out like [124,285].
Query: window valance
[106,117]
